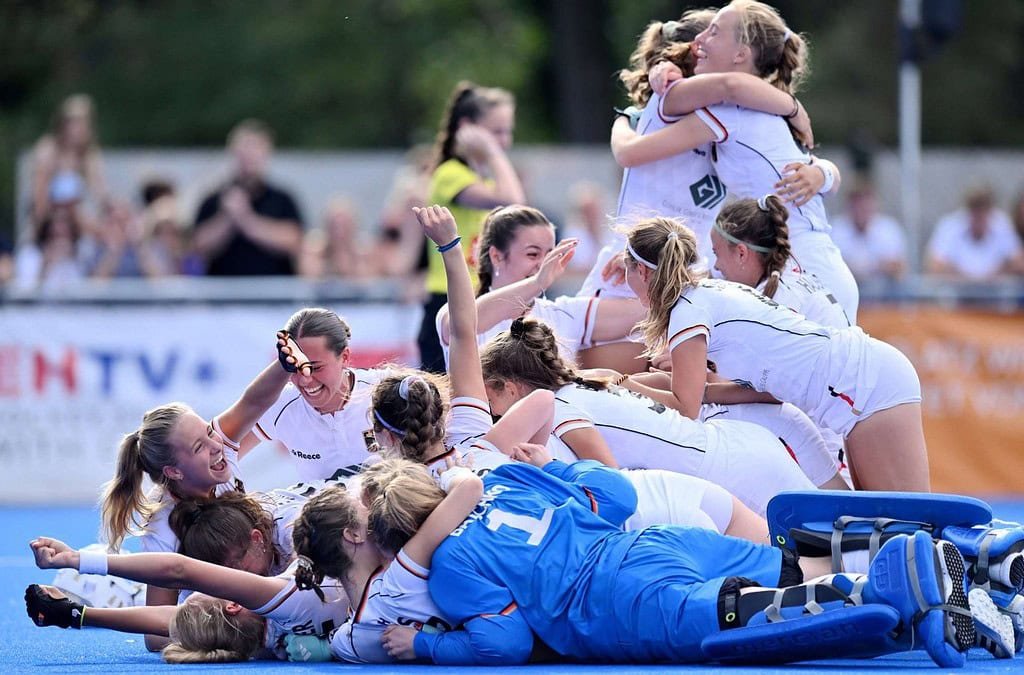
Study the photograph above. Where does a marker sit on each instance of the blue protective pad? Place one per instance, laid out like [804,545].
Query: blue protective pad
[850,632]
[817,511]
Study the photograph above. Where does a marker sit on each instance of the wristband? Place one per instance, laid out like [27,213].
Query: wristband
[446,479]
[92,562]
[796,108]
[450,245]
[81,618]
[830,178]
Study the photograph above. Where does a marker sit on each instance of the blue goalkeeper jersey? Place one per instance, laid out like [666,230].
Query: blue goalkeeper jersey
[544,543]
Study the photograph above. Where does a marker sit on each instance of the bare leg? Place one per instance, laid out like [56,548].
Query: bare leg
[746,524]
[887,451]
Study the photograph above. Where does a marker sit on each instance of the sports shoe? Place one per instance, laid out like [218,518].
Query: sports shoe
[993,627]
[994,553]
[926,583]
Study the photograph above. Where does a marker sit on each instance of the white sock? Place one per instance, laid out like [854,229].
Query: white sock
[856,562]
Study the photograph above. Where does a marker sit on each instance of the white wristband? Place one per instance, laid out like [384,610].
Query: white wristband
[830,178]
[446,479]
[92,562]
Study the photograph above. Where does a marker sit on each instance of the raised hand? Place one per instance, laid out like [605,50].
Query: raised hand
[555,262]
[615,269]
[291,357]
[437,223]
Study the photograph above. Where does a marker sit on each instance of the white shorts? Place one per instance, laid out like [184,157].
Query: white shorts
[872,377]
[669,498]
[790,425]
[751,463]
[816,253]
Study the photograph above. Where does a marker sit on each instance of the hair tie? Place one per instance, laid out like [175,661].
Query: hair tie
[384,423]
[776,274]
[668,29]
[305,576]
[731,238]
[672,234]
[640,259]
[762,203]
[407,382]
[785,36]
[518,329]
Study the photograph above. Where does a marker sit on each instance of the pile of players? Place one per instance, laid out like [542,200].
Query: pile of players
[587,523]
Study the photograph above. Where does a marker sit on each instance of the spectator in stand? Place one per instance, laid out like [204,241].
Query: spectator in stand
[51,261]
[333,250]
[976,242]
[125,246]
[873,244]
[587,223]
[248,226]
[67,159]
[1017,213]
[397,249]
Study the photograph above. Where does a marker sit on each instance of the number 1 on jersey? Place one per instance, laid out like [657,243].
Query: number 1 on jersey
[535,527]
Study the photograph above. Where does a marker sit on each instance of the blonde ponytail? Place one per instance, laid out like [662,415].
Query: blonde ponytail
[203,632]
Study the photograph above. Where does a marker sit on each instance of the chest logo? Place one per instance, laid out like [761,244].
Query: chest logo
[708,192]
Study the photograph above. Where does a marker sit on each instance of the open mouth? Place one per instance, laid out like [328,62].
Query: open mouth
[220,464]
[313,391]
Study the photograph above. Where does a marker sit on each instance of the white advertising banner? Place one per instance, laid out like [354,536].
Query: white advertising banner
[75,379]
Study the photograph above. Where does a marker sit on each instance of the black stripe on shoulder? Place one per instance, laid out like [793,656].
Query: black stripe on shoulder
[285,406]
[775,328]
[657,438]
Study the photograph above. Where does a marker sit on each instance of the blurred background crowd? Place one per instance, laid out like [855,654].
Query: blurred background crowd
[374,74]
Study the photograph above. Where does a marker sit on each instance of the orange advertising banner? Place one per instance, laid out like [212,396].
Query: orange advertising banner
[971,365]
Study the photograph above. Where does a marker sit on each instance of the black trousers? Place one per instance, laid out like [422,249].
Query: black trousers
[431,355]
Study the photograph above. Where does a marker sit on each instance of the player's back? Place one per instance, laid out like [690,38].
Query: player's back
[535,541]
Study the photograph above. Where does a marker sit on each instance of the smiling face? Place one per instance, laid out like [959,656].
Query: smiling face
[718,49]
[198,452]
[525,253]
[736,262]
[327,387]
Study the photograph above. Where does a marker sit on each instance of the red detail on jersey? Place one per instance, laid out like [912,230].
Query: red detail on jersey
[557,433]
[789,449]
[65,371]
[586,320]
[718,122]
[280,602]
[593,502]
[415,573]
[366,592]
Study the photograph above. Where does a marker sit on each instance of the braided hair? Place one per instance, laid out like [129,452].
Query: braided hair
[318,535]
[528,353]
[411,406]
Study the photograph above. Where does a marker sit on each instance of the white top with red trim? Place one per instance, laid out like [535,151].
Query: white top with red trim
[682,186]
[295,612]
[571,318]
[639,431]
[468,421]
[750,150]
[804,293]
[754,339]
[321,446]
[396,594]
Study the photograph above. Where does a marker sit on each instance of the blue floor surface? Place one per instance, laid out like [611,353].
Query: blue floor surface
[26,648]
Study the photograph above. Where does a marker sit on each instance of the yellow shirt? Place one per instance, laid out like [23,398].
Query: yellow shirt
[449,179]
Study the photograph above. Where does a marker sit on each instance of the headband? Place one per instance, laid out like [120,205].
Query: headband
[637,257]
[736,240]
[389,427]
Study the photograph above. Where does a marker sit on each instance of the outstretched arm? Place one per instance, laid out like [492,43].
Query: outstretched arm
[631,149]
[528,420]
[168,570]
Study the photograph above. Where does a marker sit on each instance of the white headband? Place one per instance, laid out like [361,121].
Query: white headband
[637,257]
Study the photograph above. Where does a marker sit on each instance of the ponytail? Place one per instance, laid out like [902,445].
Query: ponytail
[671,248]
[468,101]
[662,41]
[145,451]
[402,495]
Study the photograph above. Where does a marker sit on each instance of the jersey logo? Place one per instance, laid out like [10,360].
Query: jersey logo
[708,192]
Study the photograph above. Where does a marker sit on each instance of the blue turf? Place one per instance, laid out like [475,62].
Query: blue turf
[26,648]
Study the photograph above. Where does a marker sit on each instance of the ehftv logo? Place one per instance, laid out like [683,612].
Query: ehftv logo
[708,192]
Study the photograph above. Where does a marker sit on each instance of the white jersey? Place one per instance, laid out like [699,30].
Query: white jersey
[296,612]
[683,186]
[571,318]
[745,459]
[866,251]
[328,445]
[285,504]
[394,595]
[751,150]
[773,349]
[468,421]
[804,293]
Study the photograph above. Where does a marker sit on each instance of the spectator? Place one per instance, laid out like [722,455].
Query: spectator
[397,248]
[51,261]
[588,223]
[1017,213]
[123,248]
[168,243]
[976,242]
[873,244]
[333,250]
[248,226]
[67,160]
